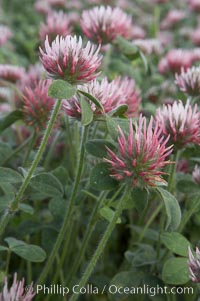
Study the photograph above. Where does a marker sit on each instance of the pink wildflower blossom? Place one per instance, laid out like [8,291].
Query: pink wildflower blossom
[56,3]
[120,91]
[196,174]
[175,60]
[57,23]
[103,24]
[42,7]
[149,46]
[11,73]
[36,105]
[181,122]
[182,166]
[5,34]
[194,265]
[172,18]
[137,32]
[141,154]
[17,291]
[189,81]
[67,59]
[195,36]
[194,5]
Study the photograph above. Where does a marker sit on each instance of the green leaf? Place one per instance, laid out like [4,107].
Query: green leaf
[149,234]
[48,184]
[130,280]
[61,89]
[144,255]
[176,243]
[5,151]
[144,60]
[153,281]
[130,50]
[2,248]
[58,207]
[9,175]
[26,208]
[188,186]
[108,214]
[113,124]
[100,178]
[175,271]
[93,99]
[9,119]
[49,236]
[119,111]
[97,147]
[29,252]
[112,127]
[86,112]
[5,201]
[172,209]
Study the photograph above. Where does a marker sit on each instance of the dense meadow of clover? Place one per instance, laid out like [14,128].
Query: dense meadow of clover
[100,150]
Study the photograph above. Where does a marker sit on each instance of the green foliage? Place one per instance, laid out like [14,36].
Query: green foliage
[61,89]
[48,184]
[92,99]
[97,147]
[8,175]
[172,209]
[176,243]
[175,271]
[108,214]
[100,178]
[9,119]
[29,252]
[86,112]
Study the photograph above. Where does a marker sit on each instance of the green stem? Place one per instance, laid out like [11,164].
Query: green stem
[162,223]
[8,261]
[30,147]
[68,215]
[14,205]
[101,246]
[150,221]
[65,250]
[87,236]
[188,214]
[50,152]
[172,172]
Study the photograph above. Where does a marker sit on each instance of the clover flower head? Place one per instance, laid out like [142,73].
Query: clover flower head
[173,17]
[194,5]
[176,60]
[67,59]
[149,46]
[57,23]
[140,155]
[189,81]
[120,91]
[56,3]
[103,24]
[181,122]
[36,105]
[42,7]
[17,291]
[11,73]
[194,265]
[137,32]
